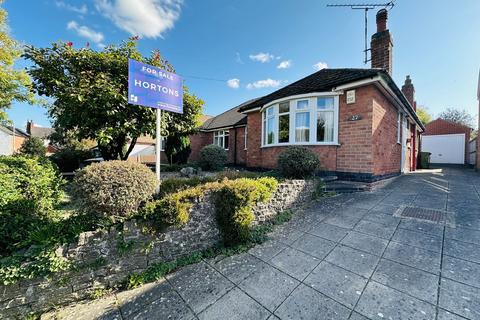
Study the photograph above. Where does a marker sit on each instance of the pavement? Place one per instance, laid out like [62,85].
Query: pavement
[353,256]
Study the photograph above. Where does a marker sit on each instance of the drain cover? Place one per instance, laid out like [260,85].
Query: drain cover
[422,213]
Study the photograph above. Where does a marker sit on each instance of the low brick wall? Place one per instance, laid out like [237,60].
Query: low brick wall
[105,258]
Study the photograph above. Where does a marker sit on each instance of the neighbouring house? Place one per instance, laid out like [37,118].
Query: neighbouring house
[144,150]
[36,131]
[477,153]
[11,139]
[358,121]
[448,142]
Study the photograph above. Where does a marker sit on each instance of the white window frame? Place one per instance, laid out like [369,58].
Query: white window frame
[221,134]
[312,109]
[399,127]
[246,137]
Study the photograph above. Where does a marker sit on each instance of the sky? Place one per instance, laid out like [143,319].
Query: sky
[229,51]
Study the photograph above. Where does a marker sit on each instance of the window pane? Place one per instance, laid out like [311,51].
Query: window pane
[302,127]
[270,111]
[302,104]
[270,131]
[325,126]
[325,103]
[284,126]
[216,142]
[284,107]
[226,142]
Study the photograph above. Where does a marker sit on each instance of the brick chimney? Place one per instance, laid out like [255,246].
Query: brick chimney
[409,92]
[30,125]
[382,44]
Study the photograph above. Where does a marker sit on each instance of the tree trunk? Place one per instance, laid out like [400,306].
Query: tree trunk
[130,148]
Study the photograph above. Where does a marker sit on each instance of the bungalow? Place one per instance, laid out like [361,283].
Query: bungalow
[11,139]
[361,125]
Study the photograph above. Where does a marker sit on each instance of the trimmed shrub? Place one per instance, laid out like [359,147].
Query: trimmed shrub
[33,147]
[297,162]
[113,188]
[213,157]
[234,202]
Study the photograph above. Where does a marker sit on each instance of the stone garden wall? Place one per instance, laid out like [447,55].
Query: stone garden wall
[106,258]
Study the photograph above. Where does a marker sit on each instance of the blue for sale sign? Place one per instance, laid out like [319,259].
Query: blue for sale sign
[153,87]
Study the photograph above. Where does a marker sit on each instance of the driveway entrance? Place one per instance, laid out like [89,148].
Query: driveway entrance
[358,256]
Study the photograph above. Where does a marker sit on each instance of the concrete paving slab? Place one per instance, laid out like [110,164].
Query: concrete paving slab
[313,245]
[199,285]
[463,234]
[381,302]
[461,271]
[235,305]
[364,242]
[158,298]
[267,250]
[418,239]
[375,229]
[460,299]
[420,284]
[328,231]
[359,262]
[308,304]
[295,263]
[446,315]
[383,219]
[462,250]
[343,221]
[414,257]
[430,228]
[337,283]
[238,267]
[269,287]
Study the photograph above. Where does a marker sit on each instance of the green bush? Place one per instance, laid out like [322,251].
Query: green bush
[173,185]
[213,157]
[297,162]
[113,188]
[69,159]
[234,202]
[178,149]
[29,183]
[29,189]
[33,147]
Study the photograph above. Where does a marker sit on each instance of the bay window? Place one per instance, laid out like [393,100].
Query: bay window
[220,138]
[304,121]
[325,119]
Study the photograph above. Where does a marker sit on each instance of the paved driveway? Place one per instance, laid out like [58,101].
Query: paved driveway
[350,257]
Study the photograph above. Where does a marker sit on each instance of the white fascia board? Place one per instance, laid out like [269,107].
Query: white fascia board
[251,110]
[223,128]
[302,96]
[356,84]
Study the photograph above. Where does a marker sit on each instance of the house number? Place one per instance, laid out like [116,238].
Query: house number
[355,117]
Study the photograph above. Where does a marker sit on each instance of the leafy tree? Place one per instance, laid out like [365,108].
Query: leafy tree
[14,84]
[458,116]
[90,93]
[424,115]
[34,147]
[178,149]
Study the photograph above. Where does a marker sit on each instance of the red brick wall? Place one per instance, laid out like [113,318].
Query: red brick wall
[197,142]
[386,151]
[441,126]
[355,151]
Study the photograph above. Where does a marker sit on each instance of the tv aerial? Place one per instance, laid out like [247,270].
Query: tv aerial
[365,7]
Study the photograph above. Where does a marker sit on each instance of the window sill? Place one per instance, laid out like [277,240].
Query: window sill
[301,144]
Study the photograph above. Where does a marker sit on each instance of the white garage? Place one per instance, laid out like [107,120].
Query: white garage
[445,148]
